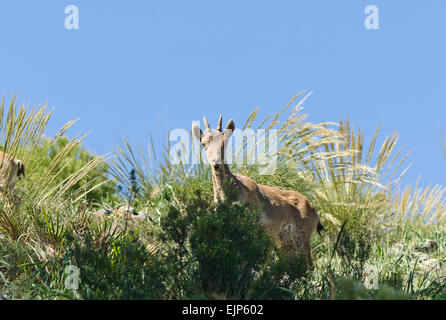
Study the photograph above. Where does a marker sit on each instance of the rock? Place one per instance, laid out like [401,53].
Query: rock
[420,255]
[50,250]
[103,212]
[398,248]
[428,264]
[429,246]
[127,211]
[139,215]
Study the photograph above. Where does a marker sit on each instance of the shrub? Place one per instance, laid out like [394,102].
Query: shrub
[230,246]
[349,289]
[281,277]
[119,268]
[354,246]
[222,250]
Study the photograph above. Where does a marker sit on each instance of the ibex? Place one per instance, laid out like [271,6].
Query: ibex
[287,215]
[10,171]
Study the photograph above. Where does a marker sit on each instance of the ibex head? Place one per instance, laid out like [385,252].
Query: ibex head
[214,142]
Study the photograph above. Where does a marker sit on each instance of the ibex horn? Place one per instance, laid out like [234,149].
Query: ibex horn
[219,123]
[206,124]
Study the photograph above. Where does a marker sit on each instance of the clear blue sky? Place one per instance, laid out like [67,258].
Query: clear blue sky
[137,66]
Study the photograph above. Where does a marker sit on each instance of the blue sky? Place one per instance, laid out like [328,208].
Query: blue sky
[139,66]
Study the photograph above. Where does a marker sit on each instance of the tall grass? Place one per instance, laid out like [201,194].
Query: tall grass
[328,162]
[47,194]
[349,182]
[371,219]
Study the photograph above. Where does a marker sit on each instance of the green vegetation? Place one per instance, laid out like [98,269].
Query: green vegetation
[190,248]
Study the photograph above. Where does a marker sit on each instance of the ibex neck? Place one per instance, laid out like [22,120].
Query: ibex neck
[221,179]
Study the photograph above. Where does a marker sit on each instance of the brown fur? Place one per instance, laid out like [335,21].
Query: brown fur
[288,216]
[10,171]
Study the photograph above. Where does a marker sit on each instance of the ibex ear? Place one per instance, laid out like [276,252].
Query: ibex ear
[229,129]
[196,131]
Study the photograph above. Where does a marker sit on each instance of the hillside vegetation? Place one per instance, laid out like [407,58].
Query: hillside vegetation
[382,240]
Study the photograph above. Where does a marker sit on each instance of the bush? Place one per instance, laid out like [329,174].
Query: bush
[12,255]
[120,268]
[349,289]
[230,246]
[281,277]
[222,250]
[354,247]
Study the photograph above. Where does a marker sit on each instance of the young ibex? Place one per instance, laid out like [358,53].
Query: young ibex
[287,215]
[10,171]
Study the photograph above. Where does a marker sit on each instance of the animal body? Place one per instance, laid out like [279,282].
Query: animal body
[10,171]
[287,215]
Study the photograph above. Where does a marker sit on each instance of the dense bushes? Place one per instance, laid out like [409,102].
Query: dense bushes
[119,268]
[230,247]
[222,250]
